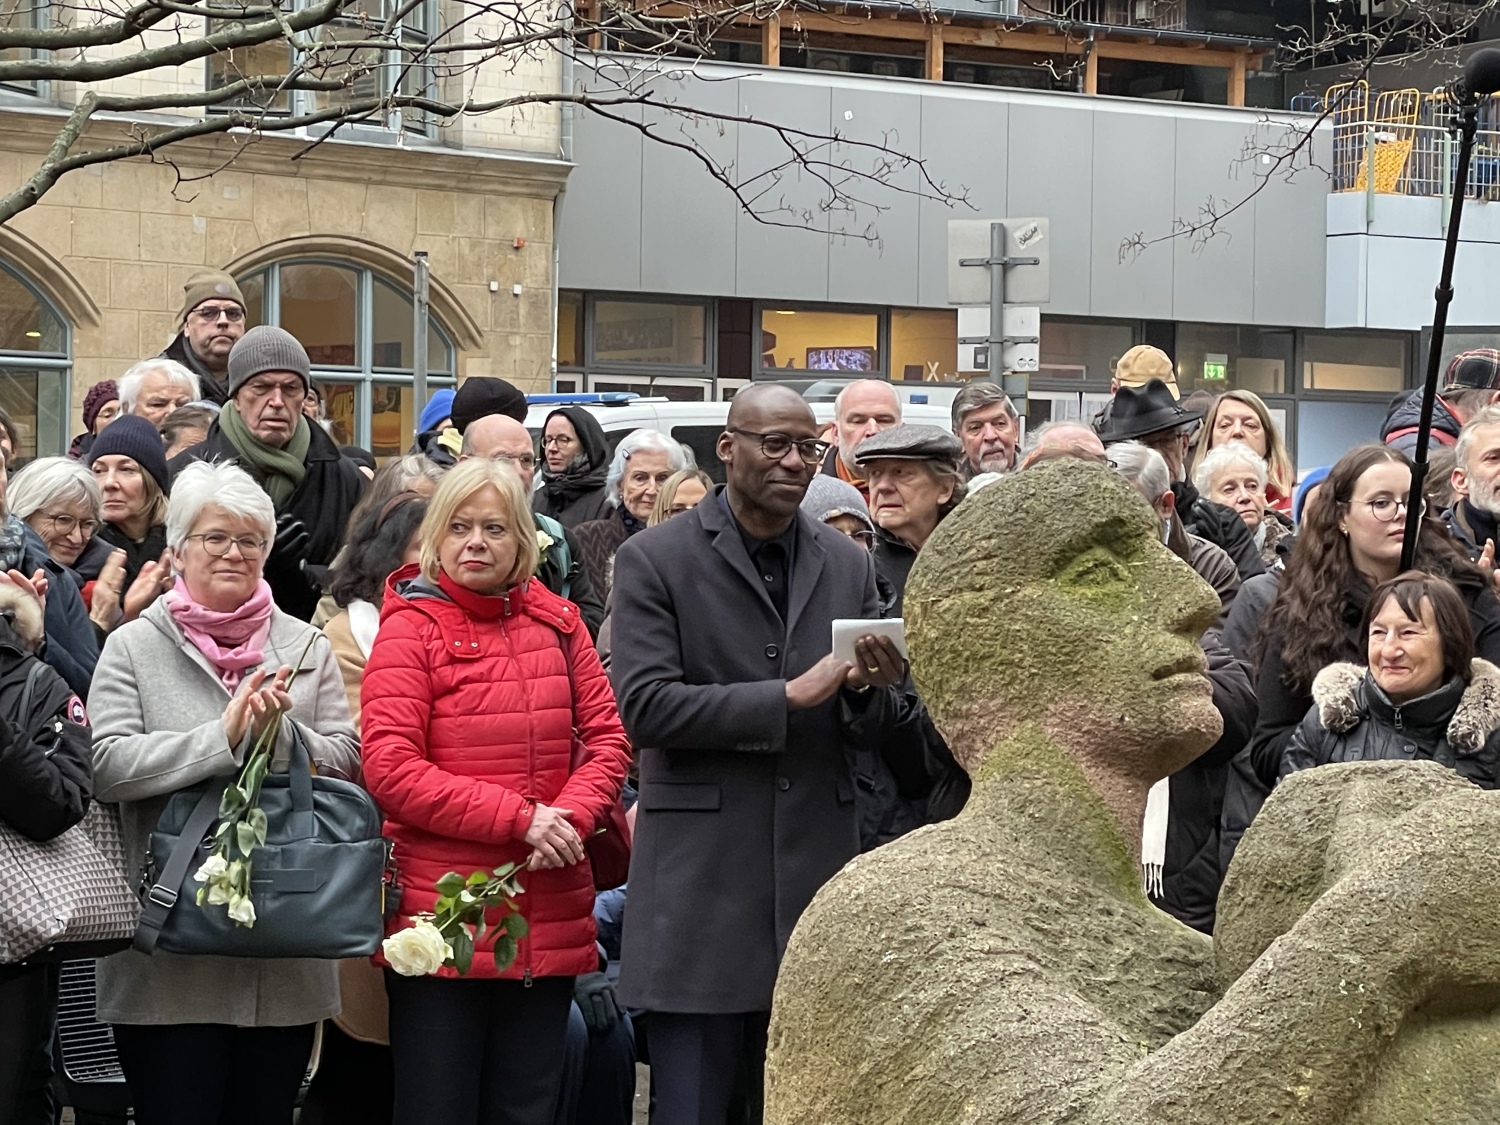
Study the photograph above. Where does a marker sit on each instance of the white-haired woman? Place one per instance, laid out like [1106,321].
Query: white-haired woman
[155,387]
[180,695]
[641,465]
[1235,475]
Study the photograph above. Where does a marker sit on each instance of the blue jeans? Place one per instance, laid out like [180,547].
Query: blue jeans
[598,1079]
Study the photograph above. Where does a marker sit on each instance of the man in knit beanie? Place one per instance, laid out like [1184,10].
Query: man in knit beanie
[211,319]
[313,486]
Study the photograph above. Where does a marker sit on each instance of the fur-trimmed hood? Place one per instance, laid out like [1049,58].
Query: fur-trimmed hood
[24,615]
[1342,694]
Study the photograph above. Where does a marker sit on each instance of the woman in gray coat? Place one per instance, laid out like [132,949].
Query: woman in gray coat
[180,696]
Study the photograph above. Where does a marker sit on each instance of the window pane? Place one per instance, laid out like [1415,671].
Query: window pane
[26,324]
[569,329]
[253,289]
[1219,357]
[391,419]
[264,59]
[1352,362]
[814,340]
[33,399]
[17,14]
[340,401]
[1075,349]
[318,307]
[924,344]
[393,333]
[642,332]
[365,68]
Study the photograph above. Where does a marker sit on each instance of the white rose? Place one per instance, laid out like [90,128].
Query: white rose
[242,910]
[213,867]
[543,541]
[418,951]
[220,893]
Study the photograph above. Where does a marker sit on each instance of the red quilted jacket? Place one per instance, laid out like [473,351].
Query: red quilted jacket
[469,710]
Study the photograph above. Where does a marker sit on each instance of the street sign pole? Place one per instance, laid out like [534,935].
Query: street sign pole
[997,263]
[419,313]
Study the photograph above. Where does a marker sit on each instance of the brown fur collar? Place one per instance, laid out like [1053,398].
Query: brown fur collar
[1477,717]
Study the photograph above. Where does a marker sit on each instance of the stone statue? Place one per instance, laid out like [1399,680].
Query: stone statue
[1006,966]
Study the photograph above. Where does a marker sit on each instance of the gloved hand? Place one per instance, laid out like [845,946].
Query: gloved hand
[595,997]
[291,541]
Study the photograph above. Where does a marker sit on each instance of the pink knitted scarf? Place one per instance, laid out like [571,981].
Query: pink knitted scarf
[233,642]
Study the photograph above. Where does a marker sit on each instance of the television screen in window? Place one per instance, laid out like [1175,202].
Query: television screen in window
[841,359]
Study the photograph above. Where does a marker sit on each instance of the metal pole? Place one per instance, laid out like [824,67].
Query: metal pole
[419,317]
[997,302]
[1468,125]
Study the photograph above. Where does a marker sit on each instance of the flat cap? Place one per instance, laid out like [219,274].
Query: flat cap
[910,441]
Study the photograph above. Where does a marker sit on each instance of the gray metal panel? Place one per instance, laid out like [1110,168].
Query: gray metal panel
[689,216]
[964,147]
[599,227]
[1133,195]
[1051,172]
[875,260]
[1291,224]
[773,261]
[1213,275]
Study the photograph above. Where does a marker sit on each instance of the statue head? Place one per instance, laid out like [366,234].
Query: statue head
[1049,600]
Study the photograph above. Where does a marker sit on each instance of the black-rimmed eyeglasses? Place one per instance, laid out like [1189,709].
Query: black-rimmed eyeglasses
[777,446]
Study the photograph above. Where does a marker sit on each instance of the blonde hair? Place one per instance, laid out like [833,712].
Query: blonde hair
[661,511]
[1279,472]
[456,487]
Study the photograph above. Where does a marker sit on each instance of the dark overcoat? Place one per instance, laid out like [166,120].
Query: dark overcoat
[745,809]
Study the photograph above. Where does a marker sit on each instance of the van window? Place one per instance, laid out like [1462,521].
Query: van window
[702,440]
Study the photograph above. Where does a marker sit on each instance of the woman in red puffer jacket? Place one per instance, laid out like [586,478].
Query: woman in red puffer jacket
[475,685]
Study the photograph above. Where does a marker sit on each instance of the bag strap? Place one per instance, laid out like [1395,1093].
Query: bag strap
[34,677]
[164,892]
[559,536]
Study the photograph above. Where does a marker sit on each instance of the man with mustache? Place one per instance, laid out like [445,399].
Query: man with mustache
[985,421]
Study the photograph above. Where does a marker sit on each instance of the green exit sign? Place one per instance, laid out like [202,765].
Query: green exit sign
[1215,368]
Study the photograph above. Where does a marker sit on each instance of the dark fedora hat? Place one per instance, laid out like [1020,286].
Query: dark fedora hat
[1137,412]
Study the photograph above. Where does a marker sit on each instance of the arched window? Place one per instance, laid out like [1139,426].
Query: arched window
[34,363]
[357,327]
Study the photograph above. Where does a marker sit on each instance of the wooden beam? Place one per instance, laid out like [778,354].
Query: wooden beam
[1091,72]
[770,40]
[935,52]
[1237,81]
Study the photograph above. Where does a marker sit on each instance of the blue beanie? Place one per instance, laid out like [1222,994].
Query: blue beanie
[438,407]
[1312,480]
[132,436]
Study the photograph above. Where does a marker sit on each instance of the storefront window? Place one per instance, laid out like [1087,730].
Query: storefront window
[924,344]
[33,368]
[1225,357]
[569,329]
[1082,350]
[642,332]
[820,340]
[1340,361]
[319,306]
[392,332]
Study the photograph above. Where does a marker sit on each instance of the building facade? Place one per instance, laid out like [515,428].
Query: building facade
[320,237]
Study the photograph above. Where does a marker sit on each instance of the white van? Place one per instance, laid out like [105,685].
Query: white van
[694,424]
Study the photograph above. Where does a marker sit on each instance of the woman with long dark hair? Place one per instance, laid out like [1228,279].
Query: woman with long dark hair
[1350,543]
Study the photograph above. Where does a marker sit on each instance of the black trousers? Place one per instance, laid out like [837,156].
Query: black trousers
[703,1065]
[28,1013]
[477,1052]
[353,1084]
[212,1073]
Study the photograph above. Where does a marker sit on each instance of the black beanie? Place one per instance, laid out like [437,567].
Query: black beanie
[483,395]
[132,436]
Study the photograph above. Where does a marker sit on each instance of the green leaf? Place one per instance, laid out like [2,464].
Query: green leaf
[232,801]
[517,927]
[477,879]
[245,837]
[257,820]
[450,884]
[505,953]
[463,951]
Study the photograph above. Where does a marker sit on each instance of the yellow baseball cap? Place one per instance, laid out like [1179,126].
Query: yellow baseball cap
[1141,364]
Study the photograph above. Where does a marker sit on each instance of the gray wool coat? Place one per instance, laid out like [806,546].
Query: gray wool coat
[745,809]
[156,706]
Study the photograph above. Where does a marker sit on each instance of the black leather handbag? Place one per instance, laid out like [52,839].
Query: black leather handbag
[316,884]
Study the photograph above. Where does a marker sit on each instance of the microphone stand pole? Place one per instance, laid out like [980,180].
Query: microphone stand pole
[1468,122]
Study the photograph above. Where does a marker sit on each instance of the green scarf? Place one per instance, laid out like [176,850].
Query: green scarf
[278,471]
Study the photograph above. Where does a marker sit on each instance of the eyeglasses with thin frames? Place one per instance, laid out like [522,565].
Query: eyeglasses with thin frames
[211,314]
[1386,510]
[217,544]
[777,446]
[66,525]
[562,441]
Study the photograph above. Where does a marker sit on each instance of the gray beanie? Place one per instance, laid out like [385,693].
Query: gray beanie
[266,348]
[828,496]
